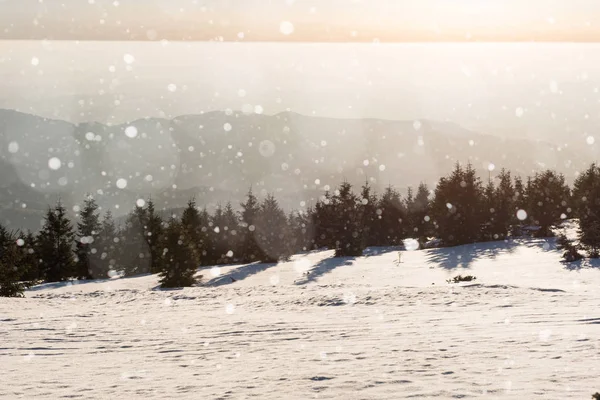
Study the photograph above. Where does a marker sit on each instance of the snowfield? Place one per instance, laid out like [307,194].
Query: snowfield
[364,328]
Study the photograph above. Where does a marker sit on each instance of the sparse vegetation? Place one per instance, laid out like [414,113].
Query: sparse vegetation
[460,278]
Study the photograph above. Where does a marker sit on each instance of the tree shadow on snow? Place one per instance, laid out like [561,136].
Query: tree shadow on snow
[464,256]
[238,274]
[75,282]
[588,263]
[324,267]
[377,251]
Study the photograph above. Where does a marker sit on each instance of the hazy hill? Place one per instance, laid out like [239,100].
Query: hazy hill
[217,156]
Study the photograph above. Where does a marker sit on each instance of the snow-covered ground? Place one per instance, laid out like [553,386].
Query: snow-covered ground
[365,328]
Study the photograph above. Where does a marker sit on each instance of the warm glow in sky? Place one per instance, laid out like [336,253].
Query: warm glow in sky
[303,20]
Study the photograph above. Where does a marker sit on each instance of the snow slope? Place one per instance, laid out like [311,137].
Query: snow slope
[364,328]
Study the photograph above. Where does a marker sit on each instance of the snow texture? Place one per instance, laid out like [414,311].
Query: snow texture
[318,327]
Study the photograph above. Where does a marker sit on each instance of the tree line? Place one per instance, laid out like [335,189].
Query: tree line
[461,209]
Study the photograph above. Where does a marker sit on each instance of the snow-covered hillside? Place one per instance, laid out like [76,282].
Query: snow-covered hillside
[318,327]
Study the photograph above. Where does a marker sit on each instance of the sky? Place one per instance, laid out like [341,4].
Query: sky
[302,20]
[119,60]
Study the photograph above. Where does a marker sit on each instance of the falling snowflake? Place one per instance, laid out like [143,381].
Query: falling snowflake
[122,183]
[54,163]
[286,27]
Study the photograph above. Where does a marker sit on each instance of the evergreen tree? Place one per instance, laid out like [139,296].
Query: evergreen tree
[548,197]
[301,230]
[420,214]
[456,207]
[519,203]
[272,231]
[55,245]
[586,201]
[392,224]
[178,267]
[368,211]
[250,250]
[206,244]
[29,264]
[347,223]
[106,247]
[488,211]
[11,267]
[86,252]
[153,233]
[224,235]
[323,221]
[504,206]
[133,251]
[570,250]
[191,225]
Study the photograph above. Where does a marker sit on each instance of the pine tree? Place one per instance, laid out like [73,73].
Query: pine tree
[488,211]
[301,229]
[250,249]
[323,221]
[586,200]
[29,264]
[504,206]
[420,213]
[133,252]
[347,223]
[519,203]
[392,218]
[548,197]
[224,235]
[368,212]
[456,207]
[570,250]
[11,267]
[206,243]
[191,225]
[178,267]
[272,231]
[107,248]
[153,233]
[86,252]
[55,245]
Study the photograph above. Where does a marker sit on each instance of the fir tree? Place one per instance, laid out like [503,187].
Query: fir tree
[11,268]
[392,218]
[488,212]
[207,254]
[519,203]
[55,245]
[570,250]
[272,231]
[86,252]
[29,264]
[548,198]
[106,247]
[368,212]
[153,233]
[133,253]
[224,235]
[347,223]
[420,214]
[586,200]
[178,267]
[504,206]
[250,249]
[456,207]
[324,220]
[191,225]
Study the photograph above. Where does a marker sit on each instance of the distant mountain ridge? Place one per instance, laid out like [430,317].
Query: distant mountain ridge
[217,156]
